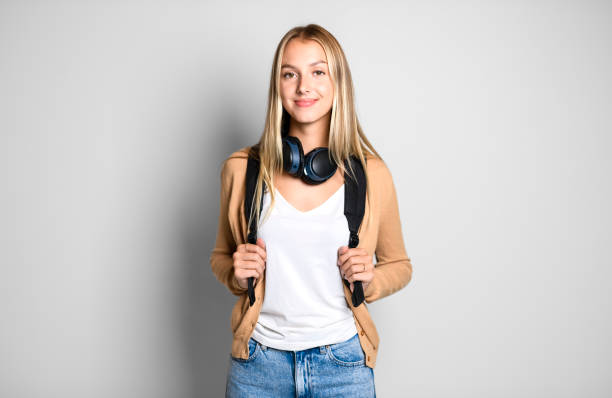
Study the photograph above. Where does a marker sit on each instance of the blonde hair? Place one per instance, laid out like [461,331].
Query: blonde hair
[346,137]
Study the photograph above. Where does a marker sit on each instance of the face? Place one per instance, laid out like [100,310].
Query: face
[306,90]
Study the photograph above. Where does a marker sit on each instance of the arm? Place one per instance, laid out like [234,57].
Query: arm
[221,258]
[393,269]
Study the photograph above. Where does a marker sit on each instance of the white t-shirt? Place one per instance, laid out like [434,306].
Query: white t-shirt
[304,304]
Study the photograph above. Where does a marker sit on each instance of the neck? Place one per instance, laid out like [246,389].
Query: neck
[311,135]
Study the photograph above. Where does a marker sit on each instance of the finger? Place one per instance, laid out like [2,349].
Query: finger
[255,256]
[343,253]
[354,251]
[363,276]
[246,273]
[358,269]
[354,260]
[346,266]
[246,258]
[359,272]
[252,257]
[250,265]
[251,248]
[344,256]
[353,270]
[357,276]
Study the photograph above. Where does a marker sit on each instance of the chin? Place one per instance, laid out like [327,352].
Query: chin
[305,120]
[303,116]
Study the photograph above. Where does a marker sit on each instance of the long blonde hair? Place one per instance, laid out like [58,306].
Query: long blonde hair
[346,137]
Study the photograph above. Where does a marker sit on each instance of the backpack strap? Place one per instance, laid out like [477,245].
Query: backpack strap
[354,209]
[251,183]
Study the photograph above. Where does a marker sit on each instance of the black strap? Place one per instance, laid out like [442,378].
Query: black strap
[354,209]
[251,184]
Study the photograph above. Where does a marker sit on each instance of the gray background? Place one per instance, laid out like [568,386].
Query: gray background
[494,118]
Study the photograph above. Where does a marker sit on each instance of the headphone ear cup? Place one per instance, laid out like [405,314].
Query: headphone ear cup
[317,166]
[293,156]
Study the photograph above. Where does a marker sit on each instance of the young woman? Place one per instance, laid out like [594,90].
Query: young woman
[303,336]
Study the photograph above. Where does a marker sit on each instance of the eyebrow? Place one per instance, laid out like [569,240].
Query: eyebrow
[294,67]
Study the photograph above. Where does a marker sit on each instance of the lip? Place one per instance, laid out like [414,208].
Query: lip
[305,102]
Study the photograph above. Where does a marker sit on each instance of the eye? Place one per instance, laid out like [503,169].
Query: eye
[320,71]
[287,73]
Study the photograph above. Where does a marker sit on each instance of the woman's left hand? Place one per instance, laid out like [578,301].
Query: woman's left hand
[356,265]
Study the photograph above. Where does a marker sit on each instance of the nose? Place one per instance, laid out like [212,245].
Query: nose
[303,86]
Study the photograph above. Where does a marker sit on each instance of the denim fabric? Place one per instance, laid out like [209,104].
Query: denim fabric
[335,370]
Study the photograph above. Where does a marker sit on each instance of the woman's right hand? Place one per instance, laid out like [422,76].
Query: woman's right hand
[249,261]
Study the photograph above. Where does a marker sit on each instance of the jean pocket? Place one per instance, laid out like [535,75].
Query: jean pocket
[254,349]
[347,353]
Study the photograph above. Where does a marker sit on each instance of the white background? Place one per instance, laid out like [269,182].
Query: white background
[493,117]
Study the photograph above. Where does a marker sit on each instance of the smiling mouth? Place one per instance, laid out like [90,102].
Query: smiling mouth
[305,103]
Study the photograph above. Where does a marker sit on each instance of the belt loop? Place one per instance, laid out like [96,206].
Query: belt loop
[322,349]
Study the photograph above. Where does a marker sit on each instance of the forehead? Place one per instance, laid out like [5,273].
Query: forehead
[304,52]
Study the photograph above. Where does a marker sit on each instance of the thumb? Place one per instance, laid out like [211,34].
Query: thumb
[260,242]
[343,249]
[351,287]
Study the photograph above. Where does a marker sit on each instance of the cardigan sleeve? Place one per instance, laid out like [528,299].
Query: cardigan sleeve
[393,268]
[221,258]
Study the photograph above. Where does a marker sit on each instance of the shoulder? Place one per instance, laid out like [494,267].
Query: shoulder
[235,163]
[377,170]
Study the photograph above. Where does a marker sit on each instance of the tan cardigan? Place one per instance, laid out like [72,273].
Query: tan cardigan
[381,235]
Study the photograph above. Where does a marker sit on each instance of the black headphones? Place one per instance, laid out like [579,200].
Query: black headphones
[313,168]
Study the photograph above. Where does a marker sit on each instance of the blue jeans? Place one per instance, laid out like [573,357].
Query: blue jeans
[335,370]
